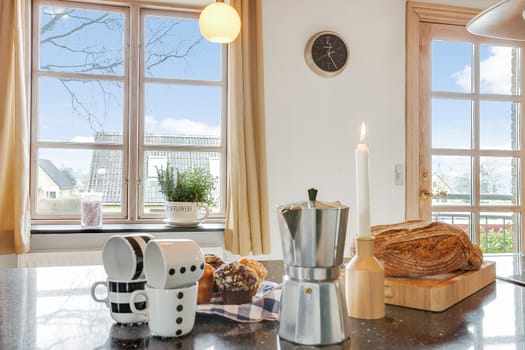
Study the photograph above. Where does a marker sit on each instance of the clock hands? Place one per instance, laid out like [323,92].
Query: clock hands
[331,59]
[329,56]
[330,52]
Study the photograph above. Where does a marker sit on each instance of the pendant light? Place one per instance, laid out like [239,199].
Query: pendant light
[219,23]
[504,20]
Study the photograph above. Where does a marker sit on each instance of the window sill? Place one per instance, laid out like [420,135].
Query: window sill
[122,228]
[46,238]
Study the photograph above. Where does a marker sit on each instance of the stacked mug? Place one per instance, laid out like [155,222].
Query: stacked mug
[123,260]
[172,268]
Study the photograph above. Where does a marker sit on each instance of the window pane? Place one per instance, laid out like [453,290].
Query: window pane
[498,125]
[451,75]
[496,231]
[498,180]
[451,123]
[64,174]
[81,41]
[80,110]
[462,220]
[499,72]
[183,115]
[153,198]
[175,48]
[452,175]
[105,176]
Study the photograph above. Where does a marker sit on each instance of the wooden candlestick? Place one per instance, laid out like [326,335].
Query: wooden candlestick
[365,282]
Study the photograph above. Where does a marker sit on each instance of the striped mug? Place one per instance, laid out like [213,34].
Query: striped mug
[123,256]
[117,299]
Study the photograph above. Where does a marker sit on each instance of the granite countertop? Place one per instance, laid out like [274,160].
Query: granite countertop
[51,308]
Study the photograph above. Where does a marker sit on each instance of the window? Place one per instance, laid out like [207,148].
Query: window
[475,102]
[117,92]
[469,138]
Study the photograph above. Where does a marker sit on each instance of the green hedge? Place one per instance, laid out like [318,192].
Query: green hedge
[496,241]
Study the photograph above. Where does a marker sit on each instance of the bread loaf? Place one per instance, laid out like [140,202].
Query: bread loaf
[423,248]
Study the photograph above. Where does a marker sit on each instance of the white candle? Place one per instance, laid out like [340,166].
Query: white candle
[362,186]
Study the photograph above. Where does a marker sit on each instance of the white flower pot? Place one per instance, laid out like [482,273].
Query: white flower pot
[186,213]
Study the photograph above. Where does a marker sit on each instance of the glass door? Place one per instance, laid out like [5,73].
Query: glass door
[471,135]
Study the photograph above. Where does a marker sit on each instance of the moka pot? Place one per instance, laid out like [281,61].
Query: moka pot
[313,307]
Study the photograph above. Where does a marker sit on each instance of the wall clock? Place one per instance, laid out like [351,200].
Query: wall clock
[326,53]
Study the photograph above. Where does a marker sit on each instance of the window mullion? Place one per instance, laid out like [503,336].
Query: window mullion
[80,76]
[476,195]
[135,98]
[170,81]
[521,147]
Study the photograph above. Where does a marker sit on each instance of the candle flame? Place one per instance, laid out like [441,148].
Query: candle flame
[363,133]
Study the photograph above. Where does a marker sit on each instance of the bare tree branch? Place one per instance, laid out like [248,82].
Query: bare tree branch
[98,58]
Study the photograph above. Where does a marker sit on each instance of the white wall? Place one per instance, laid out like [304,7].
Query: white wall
[313,122]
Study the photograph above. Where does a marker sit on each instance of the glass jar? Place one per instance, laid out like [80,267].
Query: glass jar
[91,209]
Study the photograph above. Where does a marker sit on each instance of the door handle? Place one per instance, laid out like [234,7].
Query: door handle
[428,195]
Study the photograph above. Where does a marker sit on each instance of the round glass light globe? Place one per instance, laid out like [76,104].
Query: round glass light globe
[219,23]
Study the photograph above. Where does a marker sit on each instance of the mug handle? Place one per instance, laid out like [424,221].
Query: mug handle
[94,296]
[205,207]
[132,302]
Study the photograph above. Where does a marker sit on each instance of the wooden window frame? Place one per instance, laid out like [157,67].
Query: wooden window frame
[417,13]
[417,99]
[133,84]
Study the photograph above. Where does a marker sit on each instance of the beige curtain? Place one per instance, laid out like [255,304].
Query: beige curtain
[247,226]
[14,129]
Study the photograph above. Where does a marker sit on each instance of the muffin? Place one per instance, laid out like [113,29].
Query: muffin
[213,260]
[236,283]
[206,285]
[258,268]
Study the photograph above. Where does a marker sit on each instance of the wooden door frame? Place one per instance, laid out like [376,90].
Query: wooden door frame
[416,14]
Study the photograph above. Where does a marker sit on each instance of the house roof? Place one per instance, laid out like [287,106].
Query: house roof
[106,166]
[439,183]
[58,178]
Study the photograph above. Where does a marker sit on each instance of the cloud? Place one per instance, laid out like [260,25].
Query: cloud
[150,122]
[463,78]
[495,72]
[186,127]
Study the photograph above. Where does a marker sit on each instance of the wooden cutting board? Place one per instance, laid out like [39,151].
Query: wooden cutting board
[439,292]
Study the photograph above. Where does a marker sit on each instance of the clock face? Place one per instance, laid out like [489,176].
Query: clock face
[326,53]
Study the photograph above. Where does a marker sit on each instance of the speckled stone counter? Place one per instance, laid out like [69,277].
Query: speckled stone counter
[51,308]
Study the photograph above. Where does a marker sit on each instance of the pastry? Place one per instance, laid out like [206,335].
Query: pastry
[236,282]
[213,260]
[206,285]
[216,262]
[258,268]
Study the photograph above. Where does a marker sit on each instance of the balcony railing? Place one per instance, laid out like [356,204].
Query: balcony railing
[496,229]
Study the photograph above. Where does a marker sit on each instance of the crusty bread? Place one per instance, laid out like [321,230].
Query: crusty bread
[422,248]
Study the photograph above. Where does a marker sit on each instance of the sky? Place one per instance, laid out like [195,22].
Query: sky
[451,118]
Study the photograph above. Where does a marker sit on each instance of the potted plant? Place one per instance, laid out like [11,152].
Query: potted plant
[187,194]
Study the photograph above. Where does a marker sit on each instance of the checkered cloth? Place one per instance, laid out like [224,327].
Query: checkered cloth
[264,306]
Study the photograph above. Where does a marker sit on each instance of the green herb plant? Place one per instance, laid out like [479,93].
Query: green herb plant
[190,185]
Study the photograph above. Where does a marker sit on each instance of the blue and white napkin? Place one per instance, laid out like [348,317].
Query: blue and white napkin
[264,306]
